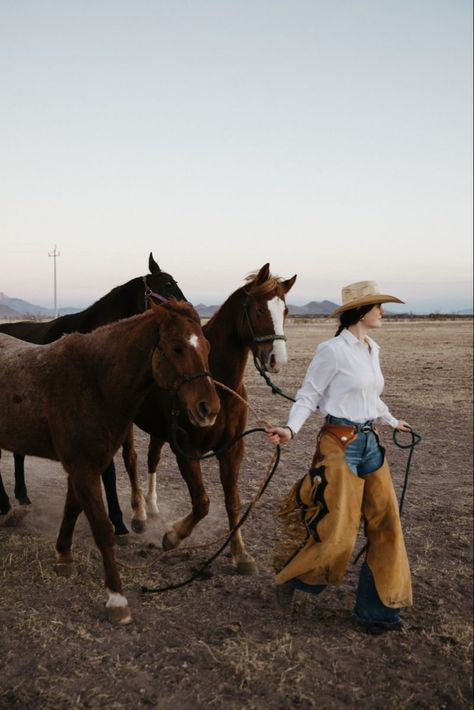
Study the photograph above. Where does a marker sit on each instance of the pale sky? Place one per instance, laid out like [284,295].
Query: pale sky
[331,138]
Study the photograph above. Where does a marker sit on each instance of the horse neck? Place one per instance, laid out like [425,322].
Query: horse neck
[123,353]
[228,356]
[121,302]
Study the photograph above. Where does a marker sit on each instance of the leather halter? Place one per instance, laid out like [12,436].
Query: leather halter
[152,294]
[258,338]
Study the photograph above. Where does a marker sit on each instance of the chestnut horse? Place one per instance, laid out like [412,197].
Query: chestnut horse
[250,320]
[73,401]
[123,301]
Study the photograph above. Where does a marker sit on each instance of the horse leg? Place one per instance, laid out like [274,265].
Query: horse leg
[72,509]
[129,456]
[109,480]
[182,528]
[154,455]
[88,493]
[229,467]
[5,506]
[20,486]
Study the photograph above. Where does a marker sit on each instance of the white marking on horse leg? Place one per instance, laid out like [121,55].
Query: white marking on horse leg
[151,498]
[115,599]
[118,611]
[276,307]
[193,340]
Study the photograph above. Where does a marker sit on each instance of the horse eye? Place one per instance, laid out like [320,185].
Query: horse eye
[260,310]
[178,349]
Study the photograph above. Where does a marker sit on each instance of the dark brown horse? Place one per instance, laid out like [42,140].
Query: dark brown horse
[123,301]
[73,401]
[251,320]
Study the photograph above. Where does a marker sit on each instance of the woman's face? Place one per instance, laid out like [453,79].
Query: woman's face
[373,319]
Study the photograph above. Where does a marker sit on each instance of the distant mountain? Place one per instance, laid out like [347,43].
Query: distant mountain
[313,308]
[17,308]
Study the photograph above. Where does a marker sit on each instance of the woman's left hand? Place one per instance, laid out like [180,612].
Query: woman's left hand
[402,426]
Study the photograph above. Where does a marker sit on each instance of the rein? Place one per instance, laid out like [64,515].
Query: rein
[210,560]
[415,440]
[263,339]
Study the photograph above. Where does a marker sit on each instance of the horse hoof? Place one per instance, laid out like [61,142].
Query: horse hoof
[122,539]
[139,526]
[119,615]
[167,543]
[64,569]
[24,500]
[247,568]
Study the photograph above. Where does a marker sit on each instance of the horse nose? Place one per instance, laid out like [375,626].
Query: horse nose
[272,360]
[203,409]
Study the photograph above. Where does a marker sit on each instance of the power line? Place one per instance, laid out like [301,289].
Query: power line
[55,255]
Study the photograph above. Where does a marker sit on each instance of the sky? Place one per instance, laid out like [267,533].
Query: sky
[330,138]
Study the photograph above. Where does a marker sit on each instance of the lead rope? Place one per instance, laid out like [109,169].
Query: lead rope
[415,440]
[268,477]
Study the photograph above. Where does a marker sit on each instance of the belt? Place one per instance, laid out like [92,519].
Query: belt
[361,427]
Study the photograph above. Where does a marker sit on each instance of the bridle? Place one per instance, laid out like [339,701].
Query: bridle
[182,378]
[256,339]
[152,294]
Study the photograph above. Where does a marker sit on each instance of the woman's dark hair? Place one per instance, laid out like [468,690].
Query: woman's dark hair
[352,316]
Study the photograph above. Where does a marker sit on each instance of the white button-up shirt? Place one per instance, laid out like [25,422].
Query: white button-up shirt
[344,379]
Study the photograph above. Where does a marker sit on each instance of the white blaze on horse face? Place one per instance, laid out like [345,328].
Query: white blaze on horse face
[276,306]
[194,340]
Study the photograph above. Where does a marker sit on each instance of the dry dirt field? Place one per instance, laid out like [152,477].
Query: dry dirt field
[221,642]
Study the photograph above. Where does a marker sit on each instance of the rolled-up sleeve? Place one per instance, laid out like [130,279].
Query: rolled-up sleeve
[319,374]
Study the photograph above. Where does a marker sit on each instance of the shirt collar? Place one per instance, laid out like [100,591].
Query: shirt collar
[352,340]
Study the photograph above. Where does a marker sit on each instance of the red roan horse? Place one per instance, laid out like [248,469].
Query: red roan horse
[73,401]
[123,301]
[251,319]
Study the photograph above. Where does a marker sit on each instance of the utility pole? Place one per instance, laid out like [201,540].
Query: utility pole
[55,254]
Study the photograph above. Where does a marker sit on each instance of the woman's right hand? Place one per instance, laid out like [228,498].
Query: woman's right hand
[279,435]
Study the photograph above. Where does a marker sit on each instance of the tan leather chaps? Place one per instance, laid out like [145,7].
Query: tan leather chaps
[321,519]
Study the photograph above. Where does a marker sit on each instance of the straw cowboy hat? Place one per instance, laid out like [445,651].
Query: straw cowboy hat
[362,293]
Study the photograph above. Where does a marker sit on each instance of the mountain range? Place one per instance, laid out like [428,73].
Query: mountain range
[18,308]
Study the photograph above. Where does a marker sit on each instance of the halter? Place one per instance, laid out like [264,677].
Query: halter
[258,338]
[152,294]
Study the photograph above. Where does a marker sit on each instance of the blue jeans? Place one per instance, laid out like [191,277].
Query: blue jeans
[363,456]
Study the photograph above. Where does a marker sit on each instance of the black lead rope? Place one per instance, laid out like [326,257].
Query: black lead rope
[274,388]
[199,572]
[415,440]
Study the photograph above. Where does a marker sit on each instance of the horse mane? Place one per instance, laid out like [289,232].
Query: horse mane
[273,284]
[183,308]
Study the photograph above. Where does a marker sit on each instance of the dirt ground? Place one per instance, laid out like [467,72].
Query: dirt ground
[221,641]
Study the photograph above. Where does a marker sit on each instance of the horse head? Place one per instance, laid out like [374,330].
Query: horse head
[263,317]
[180,361]
[159,285]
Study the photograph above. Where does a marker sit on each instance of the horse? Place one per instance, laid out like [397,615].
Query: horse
[123,301]
[73,401]
[250,320]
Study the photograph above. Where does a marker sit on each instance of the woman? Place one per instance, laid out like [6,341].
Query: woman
[349,476]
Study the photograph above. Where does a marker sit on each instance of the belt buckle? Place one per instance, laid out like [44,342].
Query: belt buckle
[366,428]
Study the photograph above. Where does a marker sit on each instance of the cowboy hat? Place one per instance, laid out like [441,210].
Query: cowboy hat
[362,293]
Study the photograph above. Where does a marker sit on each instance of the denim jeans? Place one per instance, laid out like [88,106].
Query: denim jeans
[363,456]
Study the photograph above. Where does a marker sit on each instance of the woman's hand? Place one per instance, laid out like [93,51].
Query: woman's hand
[279,435]
[402,426]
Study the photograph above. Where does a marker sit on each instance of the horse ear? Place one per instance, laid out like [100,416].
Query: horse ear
[152,265]
[289,283]
[263,274]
